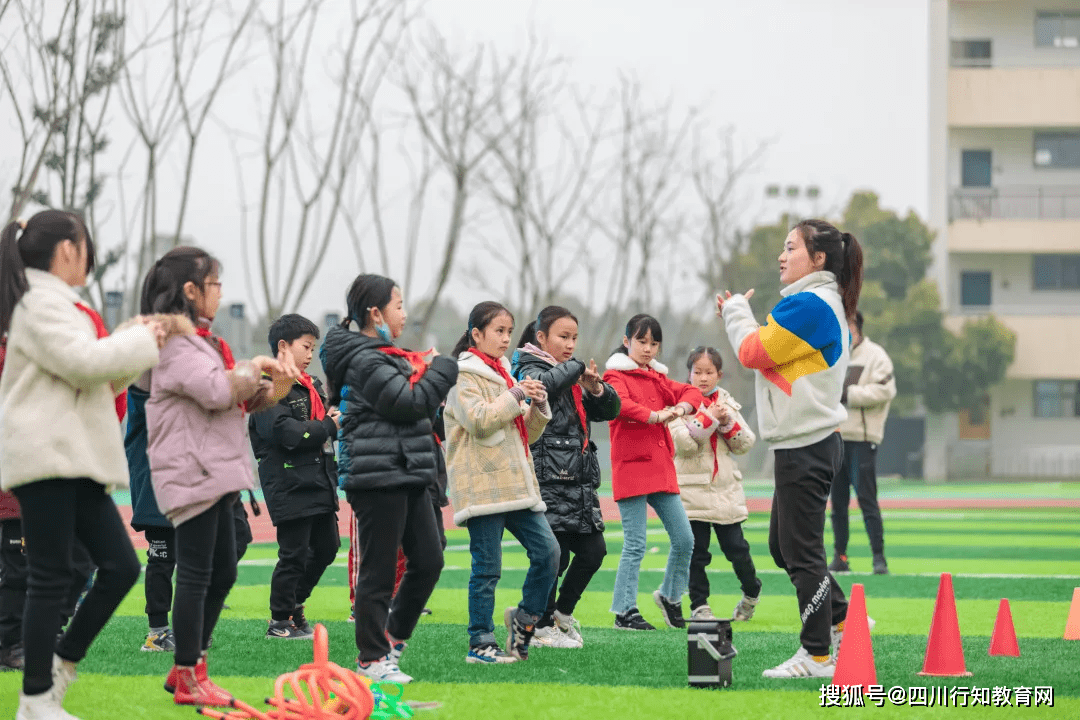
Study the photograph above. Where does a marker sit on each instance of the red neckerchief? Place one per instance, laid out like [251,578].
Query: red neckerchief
[99,325]
[318,412]
[415,360]
[220,344]
[519,421]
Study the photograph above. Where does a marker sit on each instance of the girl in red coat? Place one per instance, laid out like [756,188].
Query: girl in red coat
[643,470]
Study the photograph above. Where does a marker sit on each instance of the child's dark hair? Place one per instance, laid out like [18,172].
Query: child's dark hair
[843,258]
[639,326]
[858,321]
[712,353]
[290,328]
[480,317]
[367,291]
[34,248]
[543,323]
[163,288]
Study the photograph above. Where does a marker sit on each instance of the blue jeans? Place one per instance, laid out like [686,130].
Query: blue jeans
[677,573]
[485,543]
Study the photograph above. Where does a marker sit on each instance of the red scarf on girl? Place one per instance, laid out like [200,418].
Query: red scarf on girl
[220,344]
[99,325]
[519,421]
[318,412]
[415,360]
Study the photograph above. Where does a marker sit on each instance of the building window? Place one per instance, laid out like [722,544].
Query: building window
[1056,399]
[1057,29]
[976,168]
[975,289]
[972,53]
[1055,272]
[1057,149]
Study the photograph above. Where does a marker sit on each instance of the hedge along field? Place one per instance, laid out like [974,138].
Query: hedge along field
[1028,556]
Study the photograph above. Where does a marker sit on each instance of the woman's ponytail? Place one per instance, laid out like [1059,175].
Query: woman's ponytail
[13,283]
[851,276]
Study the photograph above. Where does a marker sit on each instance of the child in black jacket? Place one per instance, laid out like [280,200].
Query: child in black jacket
[293,443]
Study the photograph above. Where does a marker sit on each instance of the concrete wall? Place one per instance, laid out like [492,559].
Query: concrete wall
[1012,292]
[1011,27]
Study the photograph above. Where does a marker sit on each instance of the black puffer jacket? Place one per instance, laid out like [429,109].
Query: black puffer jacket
[386,433]
[568,477]
[299,479]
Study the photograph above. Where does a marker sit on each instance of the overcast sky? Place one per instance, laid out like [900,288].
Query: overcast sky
[836,87]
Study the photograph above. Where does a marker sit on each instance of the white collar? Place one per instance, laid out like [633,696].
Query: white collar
[468,362]
[43,280]
[814,279]
[622,361]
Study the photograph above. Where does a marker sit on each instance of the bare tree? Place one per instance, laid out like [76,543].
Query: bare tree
[309,148]
[645,219]
[169,98]
[455,103]
[544,180]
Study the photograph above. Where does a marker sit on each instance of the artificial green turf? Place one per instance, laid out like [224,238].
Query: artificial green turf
[628,675]
[140,698]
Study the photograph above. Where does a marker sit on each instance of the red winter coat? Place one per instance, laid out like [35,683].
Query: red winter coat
[642,455]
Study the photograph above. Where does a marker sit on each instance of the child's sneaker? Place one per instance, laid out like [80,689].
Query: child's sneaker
[519,632]
[880,566]
[397,647]
[745,609]
[569,625]
[702,612]
[672,612]
[285,630]
[301,622]
[552,636]
[632,620]
[159,640]
[12,657]
[384,670]
[839,564]
[838,633]
[802,665]
[488,654]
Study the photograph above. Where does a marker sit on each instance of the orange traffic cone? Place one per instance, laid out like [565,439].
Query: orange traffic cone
[944,653]
[1072,625]
[855,660]
[1003,641]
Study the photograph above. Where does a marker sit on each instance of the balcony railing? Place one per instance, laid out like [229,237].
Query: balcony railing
[1038,202]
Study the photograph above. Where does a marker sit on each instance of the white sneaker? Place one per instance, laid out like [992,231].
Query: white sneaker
[385,670]
[745,609]
[569,625]
[702,612]
[553,637]
[63,674]
[802,665]
[837,635]
[45,706]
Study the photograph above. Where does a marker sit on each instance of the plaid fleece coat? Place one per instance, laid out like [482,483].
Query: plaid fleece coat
[487,468]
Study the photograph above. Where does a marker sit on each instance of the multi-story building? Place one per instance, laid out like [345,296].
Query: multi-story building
[1004,171]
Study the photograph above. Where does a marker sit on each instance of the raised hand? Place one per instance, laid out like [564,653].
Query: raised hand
[721,299]
[534,389]
[590,379]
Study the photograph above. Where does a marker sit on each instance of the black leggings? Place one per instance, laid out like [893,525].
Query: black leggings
[160,565]
[205,572]
[589,551]
[56,513]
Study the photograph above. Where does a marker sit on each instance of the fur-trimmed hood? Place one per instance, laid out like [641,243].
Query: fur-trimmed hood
[621,361]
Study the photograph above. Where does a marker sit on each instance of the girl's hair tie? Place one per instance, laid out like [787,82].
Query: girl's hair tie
[21,223]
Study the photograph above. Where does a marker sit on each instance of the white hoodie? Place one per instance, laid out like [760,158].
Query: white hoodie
[801,355]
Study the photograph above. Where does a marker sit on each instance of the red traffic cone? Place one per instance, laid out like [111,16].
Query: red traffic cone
[855,660]
[1003,641]
[1072,625]
[944,653]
